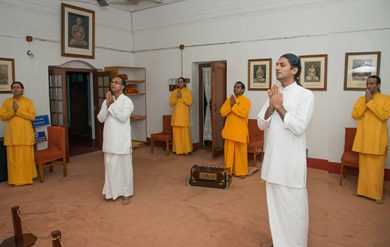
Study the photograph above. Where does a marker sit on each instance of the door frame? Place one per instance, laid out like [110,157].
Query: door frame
[201,96]
[63,71]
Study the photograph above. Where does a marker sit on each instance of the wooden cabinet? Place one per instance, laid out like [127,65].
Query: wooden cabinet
[136,91]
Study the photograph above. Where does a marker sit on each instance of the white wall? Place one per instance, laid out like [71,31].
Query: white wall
[236,31]
[42,20]
[211,30]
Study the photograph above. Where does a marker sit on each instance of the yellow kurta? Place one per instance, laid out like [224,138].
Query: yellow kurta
[371,143]
[19,139]
[236,135]
[181,123]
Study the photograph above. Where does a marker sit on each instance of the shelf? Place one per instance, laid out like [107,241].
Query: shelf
[134,94]
[135,81]
[137,117]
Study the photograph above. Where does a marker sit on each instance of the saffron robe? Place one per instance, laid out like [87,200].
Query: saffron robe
[117,147]
[180,121]
[19,140]
[284,166]
[236,135]
[371,143]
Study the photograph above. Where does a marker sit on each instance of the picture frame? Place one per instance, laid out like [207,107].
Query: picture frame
[259,74]
[314,71]
[77,32]
[173,83]
[7,74]
[358,67]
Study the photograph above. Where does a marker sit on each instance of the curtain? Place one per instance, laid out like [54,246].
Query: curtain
[207,134]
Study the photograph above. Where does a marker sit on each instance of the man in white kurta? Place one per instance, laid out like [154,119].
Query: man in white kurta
[115,114]
[285,117]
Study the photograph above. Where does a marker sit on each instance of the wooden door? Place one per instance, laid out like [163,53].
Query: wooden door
[101,84]
[58,101]
[218,97]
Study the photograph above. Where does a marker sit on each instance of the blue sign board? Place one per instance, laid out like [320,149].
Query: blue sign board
[40,136]
[40,120]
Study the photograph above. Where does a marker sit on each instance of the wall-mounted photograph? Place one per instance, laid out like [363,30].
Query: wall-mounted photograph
[173,83]
[259,74]
[78,31]
[358,67]
[314,71]
[7,74]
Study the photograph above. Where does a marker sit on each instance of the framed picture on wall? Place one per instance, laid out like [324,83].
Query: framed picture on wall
[314,71]
[259,74]
[7,74]
[173,83]
[77,32]
[358,67]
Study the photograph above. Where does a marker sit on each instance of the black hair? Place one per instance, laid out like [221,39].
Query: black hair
[17,82]
[241,84]
[294,62]
[184,80]
[378,80]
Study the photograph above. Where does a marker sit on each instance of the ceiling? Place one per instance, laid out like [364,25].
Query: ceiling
[129,5]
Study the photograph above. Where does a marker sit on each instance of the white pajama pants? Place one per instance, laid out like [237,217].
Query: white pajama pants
[288,212]
[118,175]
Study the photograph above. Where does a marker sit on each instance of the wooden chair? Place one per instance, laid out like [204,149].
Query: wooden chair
[164,136]
[349,157]
[256,139]
[55,151]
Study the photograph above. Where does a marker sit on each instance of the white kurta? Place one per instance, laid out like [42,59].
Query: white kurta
[284,166]
[117,147]
[285,141]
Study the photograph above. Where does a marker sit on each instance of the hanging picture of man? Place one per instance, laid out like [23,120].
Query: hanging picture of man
[314,71]
[7,74]
[259,74]
[78,31]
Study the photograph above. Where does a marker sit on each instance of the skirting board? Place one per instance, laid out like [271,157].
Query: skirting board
[333,167]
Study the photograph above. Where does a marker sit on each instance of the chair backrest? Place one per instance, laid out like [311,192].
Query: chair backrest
[349,138]
[167,128]
[255,134]
[56,137]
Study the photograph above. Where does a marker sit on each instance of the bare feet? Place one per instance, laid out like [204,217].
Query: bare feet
[125,200]
[266,244]
[379,201]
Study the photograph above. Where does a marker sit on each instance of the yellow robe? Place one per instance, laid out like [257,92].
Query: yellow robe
[181,122]
[236,135]
[371,143]
[19,139]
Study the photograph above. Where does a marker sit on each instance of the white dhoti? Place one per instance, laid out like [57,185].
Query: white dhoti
[118,175]
[288,215]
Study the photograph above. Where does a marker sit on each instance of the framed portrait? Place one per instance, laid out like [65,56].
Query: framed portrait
[7,74]
[259,74]
[173,83]
[77,32]
[358,67]
[314,71]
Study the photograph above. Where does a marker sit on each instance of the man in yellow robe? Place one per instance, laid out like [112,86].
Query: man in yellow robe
[181,100]
[235,132]
[372,112]
[18,112]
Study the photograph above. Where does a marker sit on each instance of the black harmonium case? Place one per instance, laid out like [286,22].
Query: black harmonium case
[208,176]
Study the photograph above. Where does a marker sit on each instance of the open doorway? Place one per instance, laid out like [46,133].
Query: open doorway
[212,94]
[79,113]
